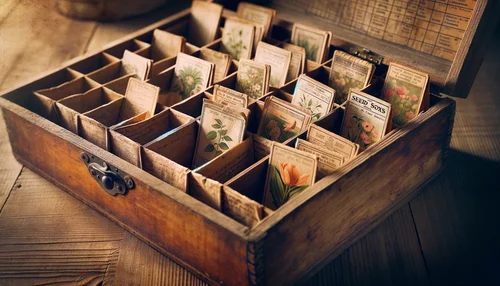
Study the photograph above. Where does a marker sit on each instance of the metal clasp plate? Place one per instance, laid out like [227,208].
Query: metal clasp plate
[366,54]
[112,180]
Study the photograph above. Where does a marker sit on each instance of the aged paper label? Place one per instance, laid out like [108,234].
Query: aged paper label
[221,128]
[139,97]
[252,78]
[366,119]
[166,45]
[290,172]
[277,58]
[331,141]
[314,96]
[231,97]
[282,120]
[312,40]
[135,64]
[203,22]
[191,75]
[405,89]
[348,72]
[297,62]
[262,146]
[221,61]
[258,14]
[327,161]
[238,39]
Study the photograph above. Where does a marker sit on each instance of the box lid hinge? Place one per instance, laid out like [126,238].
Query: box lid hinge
[366,54]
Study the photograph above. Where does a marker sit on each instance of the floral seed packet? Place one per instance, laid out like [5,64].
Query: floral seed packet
[166,45]
[328,161]
[135,64]
[221,61]
[366,119]
[277,58]
[282,120]
[238,38]
[290,172]
[333,142]
[313,96]
[348,72]
[314,41]
[221,128]
[230,97]
[203,22]
[252,78]
[406,90]
[297,62]
[258,14]
[191,75]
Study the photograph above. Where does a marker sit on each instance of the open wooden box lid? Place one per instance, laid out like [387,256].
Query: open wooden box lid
[444,38]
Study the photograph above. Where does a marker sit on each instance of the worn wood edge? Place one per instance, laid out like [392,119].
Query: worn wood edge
[344,245]
[472,49]
[179,196]
[171,256]
[267,223]
[255,262]
[176,16]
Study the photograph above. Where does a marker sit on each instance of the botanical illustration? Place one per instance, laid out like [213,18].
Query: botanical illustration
[404,98]
[312,105]
[286,181]
[234,44]
[217,138]
[361,131]
[311,49]
[187,82]
[277,128]
[342,84]
[251,81]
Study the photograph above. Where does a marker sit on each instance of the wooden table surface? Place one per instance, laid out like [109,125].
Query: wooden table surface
[448,234]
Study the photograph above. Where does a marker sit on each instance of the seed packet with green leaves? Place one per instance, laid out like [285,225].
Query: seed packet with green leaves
[238,38]
[191,75]
[315,42]
[221,128]
[314,96]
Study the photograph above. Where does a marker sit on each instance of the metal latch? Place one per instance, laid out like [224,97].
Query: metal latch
[112,180]
[366,54]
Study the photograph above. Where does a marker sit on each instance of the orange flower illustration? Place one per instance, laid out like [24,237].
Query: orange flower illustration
[291,175]
[366,139]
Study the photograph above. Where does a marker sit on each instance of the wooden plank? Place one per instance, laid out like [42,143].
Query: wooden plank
[47,40]
[49,237]
[9,167]
[139,264]
[389,255]
[351,214]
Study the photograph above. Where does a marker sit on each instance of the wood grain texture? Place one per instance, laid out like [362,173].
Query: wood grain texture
[67,242]
[9,167]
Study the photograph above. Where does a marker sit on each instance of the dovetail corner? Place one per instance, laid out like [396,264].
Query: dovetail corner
[255,262]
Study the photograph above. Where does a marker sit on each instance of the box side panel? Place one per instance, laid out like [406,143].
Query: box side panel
[165,217]
[316,227]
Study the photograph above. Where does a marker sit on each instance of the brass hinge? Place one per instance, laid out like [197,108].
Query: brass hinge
[366,54]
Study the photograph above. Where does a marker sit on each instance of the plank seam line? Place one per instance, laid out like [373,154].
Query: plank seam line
[10,191]
[91,37]
[419,242]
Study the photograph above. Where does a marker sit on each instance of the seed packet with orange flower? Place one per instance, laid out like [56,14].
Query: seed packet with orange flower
[348,73]
[290,172]
[366,119]
[408,92]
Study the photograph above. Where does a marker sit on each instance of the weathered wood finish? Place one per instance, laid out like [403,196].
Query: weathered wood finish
[192,233]
[347,205]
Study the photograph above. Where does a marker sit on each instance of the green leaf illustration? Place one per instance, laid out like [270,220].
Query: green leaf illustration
[227,138]
[218,121]
[209,148]
[211,135]
[223,132]
[223,146]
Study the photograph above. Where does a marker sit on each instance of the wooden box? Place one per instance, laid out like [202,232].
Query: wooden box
[197,223]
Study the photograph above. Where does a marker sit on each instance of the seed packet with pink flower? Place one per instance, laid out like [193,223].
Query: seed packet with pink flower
[348,73]
[252,78]
[366,119]
[408,92]
[191,75]
[289,173]
[282,120]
